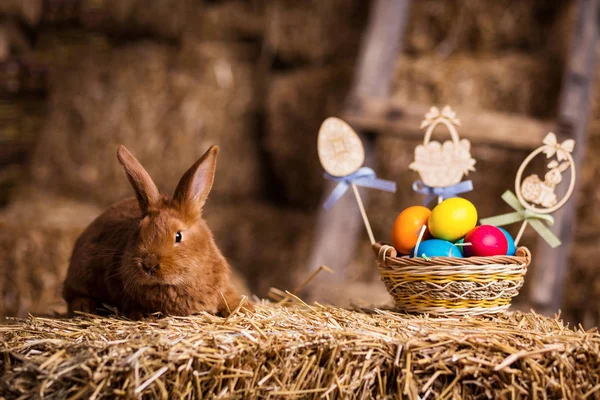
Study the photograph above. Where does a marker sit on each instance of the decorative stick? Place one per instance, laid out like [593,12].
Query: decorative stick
[420,238]
[363,213]
[520,234]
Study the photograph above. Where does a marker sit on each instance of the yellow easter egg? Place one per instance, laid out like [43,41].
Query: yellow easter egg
[452,219]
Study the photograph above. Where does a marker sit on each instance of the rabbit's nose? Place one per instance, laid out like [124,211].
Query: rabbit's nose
[151,263]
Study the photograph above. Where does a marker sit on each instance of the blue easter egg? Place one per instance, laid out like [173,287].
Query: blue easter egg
[512,249]
[437,248]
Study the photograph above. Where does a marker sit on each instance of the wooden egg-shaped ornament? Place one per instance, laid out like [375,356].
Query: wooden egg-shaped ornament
[486,241]
[407,228]
[340,150]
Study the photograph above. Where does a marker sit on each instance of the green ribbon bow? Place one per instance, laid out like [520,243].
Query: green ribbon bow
[536,220]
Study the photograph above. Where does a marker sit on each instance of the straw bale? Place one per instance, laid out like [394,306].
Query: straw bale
[266,244]
[510,82]
[482,26]
[21,118]
[300,352]
[167,106]
[28,10]
[164,19]
[161,18]
[57,50]
[314,31]
[37,233]
[297,104]
[231,20]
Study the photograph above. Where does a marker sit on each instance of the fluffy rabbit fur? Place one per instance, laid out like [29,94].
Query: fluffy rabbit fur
[153,253]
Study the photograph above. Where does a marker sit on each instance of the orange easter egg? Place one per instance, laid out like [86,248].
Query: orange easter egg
[407,228]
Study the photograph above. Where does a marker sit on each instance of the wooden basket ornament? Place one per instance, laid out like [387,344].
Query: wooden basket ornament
[442,166]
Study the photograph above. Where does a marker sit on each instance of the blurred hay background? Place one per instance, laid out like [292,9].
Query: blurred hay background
[257,78]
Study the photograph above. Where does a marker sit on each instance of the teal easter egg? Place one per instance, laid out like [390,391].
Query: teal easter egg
[437,248]
[512,249]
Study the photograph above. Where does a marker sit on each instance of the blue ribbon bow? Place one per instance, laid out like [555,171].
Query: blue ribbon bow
[363,177]
[433,193]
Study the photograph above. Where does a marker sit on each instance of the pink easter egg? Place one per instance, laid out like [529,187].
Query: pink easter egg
[486,241]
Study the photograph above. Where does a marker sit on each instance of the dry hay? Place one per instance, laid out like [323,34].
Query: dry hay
[167,106]
[21,118]
[37,233]
[300,352]
[231,20]
[483,26]
[227,20]
[162,18]
[56,50]
[512,82]
[314,31]
[297,104]
[28,10]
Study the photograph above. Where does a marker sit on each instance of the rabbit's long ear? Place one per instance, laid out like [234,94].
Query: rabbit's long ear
[195,185]
[145,189]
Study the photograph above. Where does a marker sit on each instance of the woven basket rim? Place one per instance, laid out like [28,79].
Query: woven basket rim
[386,253]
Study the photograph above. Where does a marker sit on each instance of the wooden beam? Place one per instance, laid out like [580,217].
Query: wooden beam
[499,129]
[578,82]
[339,229]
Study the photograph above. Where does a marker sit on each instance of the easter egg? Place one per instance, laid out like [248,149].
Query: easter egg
[512,249]
[407,228]
[437,248]
[486,241]
[452,219]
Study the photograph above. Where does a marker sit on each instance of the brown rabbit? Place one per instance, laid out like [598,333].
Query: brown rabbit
[153,253]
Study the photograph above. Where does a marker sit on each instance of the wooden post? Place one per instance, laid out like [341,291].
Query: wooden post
[578,82]
[339,230]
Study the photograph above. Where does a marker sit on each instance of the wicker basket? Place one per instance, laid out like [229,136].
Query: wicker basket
[452,286]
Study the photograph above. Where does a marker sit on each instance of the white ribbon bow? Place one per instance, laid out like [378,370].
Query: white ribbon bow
[434,114]
[560,149]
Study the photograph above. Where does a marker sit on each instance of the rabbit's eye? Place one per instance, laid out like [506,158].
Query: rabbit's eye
[178,237]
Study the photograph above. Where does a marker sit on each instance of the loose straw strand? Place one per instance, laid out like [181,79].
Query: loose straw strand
[363,213]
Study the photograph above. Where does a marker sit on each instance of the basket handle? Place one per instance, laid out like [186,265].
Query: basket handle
[449,125]
[383,250]
[524,252]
